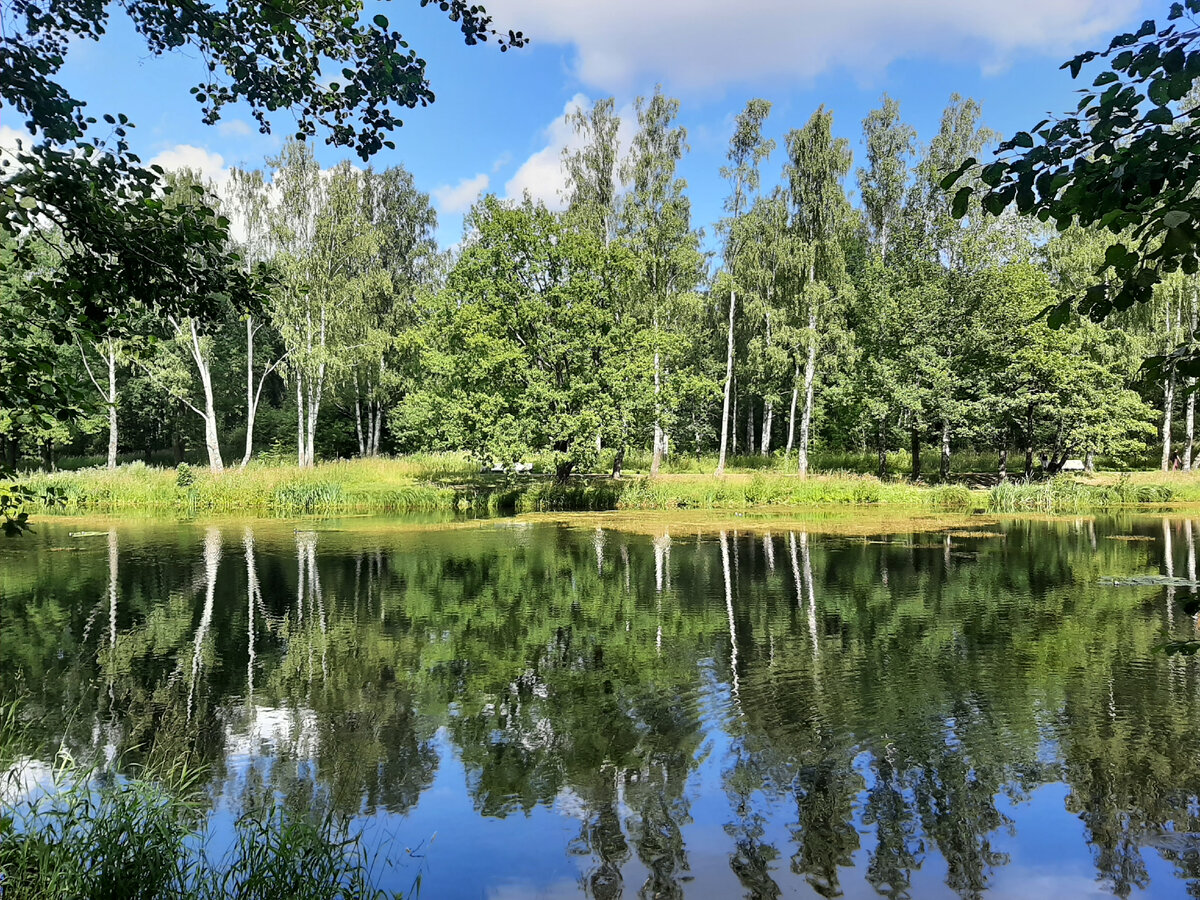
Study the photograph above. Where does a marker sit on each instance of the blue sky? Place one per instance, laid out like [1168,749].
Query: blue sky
[497,123]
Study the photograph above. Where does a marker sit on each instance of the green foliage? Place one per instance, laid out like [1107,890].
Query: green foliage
[184,476]
[1121,162]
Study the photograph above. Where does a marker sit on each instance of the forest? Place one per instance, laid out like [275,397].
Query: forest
[847,308]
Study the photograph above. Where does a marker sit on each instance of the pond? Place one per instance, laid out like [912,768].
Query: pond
[556,708]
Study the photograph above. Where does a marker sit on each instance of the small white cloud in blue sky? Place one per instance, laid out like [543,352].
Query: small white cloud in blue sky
[542,175]
[235,128]
[184,156]
[458,198]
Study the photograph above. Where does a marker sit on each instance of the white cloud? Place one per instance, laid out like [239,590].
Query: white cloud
[542,175]
[234,128]
[184,156]
[697,44]
[9,138]
[457,198]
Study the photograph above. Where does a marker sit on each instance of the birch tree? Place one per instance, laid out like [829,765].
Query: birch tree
[817,164]
[656,223]
[593,170]
[110,351]
[329,259]
[385,359]
[247,202]
[747,151]
[194,335]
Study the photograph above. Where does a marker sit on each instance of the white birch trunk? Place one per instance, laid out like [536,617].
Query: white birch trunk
[656,460]
[810,371]
[1168,416]
[945,449]
[728,388]
[768,421]
[378,428]
[251,399]
[211,443]
[111,399]
[792,415]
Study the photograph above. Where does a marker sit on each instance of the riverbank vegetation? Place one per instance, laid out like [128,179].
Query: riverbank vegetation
[453,482]
[602,338]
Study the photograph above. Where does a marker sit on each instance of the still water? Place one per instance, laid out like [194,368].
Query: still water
[521,709]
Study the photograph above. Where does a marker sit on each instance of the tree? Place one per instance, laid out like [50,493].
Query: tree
[331,271]
[593,170]
[747,150]
[110,352]
[884,182]
[656,225]
[105,210]
[883,185]
[530,338]
[945,252]
[247,203]
[1123,161]
[384,361]
[817,164]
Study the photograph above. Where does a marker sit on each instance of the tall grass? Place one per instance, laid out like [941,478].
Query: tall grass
[108,838]
[453,482]
[1066,494]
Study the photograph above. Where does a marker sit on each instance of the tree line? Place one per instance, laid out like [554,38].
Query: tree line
[847,307]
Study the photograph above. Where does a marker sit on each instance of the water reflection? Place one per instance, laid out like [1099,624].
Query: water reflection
[579,710]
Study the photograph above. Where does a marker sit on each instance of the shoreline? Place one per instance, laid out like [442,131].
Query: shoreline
[446,487]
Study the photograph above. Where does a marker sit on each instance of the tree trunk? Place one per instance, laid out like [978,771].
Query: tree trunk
[358,428]
[1029,442]
[1189,425]
[299,420]
[768,421]
[378,428]
[619,462]
[945,467]
[810,371]
[915,450]
[792,414]
[656,459]
[1004,462]
[212,444]
[1089,462]
[1168,416]
[733,421]
[882,446]
[251,400]
[749,426]
[728,387]
[112,405]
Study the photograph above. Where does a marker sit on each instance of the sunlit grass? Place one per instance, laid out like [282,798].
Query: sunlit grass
[453,482]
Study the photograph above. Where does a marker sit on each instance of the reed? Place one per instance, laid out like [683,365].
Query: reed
[453,482]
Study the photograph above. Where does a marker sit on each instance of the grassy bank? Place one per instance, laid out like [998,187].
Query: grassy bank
[452,482]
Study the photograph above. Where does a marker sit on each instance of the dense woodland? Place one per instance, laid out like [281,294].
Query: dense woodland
[845,307]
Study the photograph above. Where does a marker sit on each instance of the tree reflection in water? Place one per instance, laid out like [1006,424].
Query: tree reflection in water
[821,712]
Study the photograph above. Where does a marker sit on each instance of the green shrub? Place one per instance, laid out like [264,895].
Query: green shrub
[184,476]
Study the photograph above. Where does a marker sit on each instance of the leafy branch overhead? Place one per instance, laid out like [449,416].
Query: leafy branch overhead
[273,56]
[1126,160]
[111,215]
